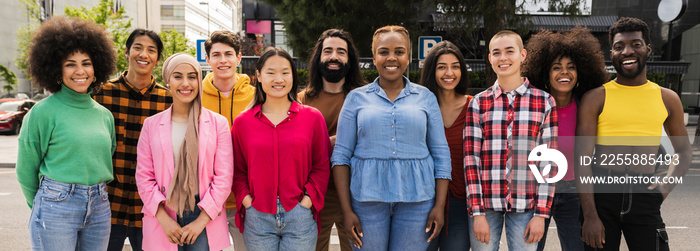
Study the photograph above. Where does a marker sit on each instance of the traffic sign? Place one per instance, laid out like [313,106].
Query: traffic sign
[424,45]
[201,53]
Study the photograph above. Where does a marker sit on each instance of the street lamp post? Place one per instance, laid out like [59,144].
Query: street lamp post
[208,20]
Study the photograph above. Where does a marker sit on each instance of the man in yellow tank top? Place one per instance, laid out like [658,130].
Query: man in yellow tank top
[625,118]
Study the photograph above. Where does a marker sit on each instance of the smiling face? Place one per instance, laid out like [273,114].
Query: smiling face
[276,77]
[78,73]
[506,56]
[184,83]
[629,54]
[391,56]
[334,59]
[223,60]
[563,75]
[142,56]
[448,72]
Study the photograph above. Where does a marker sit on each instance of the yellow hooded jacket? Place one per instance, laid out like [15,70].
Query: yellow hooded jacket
[237,101]
[230,106]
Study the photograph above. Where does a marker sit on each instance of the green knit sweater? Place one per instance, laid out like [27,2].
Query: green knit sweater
[67,137]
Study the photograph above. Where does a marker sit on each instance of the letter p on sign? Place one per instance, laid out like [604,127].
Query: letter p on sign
[424,45]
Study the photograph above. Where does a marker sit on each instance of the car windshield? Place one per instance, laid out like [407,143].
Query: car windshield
[11,106]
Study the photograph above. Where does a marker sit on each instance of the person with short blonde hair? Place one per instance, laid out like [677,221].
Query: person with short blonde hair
[504,124]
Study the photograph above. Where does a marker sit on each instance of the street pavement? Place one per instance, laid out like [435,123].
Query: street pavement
[680,210]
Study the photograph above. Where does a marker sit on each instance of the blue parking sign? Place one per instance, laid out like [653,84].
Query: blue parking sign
[201,53]
[424,45]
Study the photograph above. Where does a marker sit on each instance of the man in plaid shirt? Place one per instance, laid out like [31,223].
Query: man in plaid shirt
[504,123]
[131,98]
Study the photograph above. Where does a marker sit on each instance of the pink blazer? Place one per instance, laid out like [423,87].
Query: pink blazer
[155,168]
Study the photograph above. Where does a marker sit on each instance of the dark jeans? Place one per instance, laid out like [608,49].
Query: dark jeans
[565,211]
[455,233]
[634,212]
[120,233]
[202,242]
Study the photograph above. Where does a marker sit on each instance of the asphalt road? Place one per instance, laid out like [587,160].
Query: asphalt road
[681,210]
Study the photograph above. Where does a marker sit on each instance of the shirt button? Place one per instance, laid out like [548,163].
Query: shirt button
[392,113]
[162,189]
[393,153]
[289,113]
[392,126]
[392,139]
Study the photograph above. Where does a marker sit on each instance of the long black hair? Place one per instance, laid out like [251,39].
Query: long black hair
[354,77]
[260,95]
[427,76]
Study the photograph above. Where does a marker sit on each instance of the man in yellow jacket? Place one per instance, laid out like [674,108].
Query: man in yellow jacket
[227,93]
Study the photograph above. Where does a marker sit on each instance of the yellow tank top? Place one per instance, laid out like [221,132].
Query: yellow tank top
[632,115]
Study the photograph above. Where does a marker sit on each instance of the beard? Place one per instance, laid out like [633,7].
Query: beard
[333,76]
[641,65]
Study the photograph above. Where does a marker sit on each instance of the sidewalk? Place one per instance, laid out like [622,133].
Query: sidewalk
[8,151]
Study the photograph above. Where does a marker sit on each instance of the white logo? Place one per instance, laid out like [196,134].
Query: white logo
[542,153]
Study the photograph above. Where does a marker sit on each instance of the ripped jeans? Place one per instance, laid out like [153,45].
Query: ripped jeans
[70,217]
[634,211]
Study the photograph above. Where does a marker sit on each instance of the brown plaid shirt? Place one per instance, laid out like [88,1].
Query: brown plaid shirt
[130,107]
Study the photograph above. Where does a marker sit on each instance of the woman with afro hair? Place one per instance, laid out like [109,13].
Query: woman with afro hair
[566,65]
[67,140]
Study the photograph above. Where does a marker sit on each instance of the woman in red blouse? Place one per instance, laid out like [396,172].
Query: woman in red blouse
[281,161]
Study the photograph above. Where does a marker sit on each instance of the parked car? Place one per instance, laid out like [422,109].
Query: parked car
[12,112]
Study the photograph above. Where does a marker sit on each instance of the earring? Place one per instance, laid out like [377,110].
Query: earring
[59,82]
[576,85]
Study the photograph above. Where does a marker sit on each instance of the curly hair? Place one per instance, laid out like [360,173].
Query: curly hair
[630,24]
[354,77]
[579,45]
[427,76]
[58,38]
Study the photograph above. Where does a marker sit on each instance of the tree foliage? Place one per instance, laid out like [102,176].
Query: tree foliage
[466,22]
[114,21]
[24,34]
[306,20]
[173,42]
[9,77]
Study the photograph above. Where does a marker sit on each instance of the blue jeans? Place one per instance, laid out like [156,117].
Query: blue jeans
[120,233]
[516,223]
[70,217]
[393,226]
[292,230]
[202,242]
[566,209]
[455,234]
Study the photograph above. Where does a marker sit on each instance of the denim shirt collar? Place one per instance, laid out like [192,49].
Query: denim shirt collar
[407,90]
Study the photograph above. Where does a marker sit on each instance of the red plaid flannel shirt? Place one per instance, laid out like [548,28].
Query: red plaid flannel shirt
[499,134]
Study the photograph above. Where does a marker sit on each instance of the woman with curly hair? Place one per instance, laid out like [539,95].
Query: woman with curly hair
[566,65]
[67,140]
[445,75]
